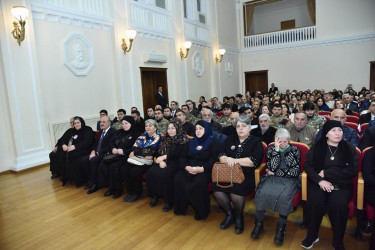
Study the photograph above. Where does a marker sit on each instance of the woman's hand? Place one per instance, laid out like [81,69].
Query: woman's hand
[120,151]
[194,170]
[64,147]
[161,158]
[277,144]
[54,149]
[230,161]
[269,172]
[162,164]
[326,186]
[115,151]
[131,154]
[71,148]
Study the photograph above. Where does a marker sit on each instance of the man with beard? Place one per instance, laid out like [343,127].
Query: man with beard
[277,119]
[313,120]
[117,121]
[167,113]
[192,109]
[162,123]
[224,120]
[189,117]
[264,131]
[150,113]
[207,116]
[229,130]
[187,126]
[139,121]
[300,131]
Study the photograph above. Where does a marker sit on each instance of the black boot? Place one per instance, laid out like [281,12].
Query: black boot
[228,220]
[258,229]
[238,223]
[280,233]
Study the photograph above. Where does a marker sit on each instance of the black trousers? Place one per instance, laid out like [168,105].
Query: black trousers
[192,189]
[91,167]
[132,174]
[56,162]
[335,204]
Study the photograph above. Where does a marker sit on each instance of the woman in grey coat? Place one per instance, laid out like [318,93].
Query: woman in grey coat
[277,188]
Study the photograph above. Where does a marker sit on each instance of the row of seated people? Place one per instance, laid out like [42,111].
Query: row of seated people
[182,171]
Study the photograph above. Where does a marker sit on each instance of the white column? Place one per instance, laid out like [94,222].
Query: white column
[29,132]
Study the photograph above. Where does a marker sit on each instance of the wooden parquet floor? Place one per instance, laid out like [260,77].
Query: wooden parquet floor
[38,213]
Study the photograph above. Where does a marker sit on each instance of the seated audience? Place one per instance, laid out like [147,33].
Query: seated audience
[102,112]
[349,103]
[313,119]
[150,113]
[159,178]
[188,128]
[161,121]
[117,121]
[264,131]
[370,116]
[300,131]
[145,147]
[246,150]
[322,105]
[90,162]
[224,120]
[139,122]
[189,117]
[339,104]
[277,119]
[232,128]
[207,116]
[285,110]
[192,178]
[167,113]
[368,137]
[330,166]
[192,109]
[75,145]
[277,189]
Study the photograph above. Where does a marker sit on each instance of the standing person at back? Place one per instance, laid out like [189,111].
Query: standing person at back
[160,99]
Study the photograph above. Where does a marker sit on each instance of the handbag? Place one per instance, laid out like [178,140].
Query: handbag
[111,158]
[223,173]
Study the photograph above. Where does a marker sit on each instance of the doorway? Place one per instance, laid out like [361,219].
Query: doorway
[372,75]
[256,81]
[151,79]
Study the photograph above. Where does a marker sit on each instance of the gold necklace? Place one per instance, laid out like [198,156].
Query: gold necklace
[332,155]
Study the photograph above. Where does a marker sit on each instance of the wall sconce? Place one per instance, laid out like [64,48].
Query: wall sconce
[187,46]
[219,57]
[131,35]
[20,13]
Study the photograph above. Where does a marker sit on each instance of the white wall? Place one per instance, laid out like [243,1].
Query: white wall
[267,17]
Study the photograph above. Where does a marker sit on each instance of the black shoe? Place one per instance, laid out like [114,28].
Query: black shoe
[307,244]
[88,186]
[108,193]
[93,189]
[280,233]
[167,207]
[154,201]
[116,195]
[134,197]
[55,175]
[258,229]
[238,224]
[64,181]
[227,221]
[126,198]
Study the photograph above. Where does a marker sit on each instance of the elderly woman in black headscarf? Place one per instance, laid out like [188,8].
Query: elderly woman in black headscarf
[330,165]
[159,178]
[75,145]
[141,159]
[191,181]
[113,165]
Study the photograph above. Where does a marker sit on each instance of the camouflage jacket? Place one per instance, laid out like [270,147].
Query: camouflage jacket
[224,121]
[279,122]
[316,122]
[162,125]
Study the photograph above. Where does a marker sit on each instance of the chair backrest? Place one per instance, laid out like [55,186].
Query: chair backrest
[363,127]
[356,114]
[327,117]
[331,109]
[324,112]
[363,156]
[352,118]
[264,152]
[353,126]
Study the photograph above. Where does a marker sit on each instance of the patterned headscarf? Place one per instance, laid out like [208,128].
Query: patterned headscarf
[145,140]
[179,138]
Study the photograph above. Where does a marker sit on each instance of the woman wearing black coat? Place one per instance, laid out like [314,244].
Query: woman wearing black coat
[159,178]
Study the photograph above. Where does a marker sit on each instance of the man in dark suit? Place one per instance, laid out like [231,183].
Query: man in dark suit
[353,106]
[160,99]
[366,118]
[368,138]
[273,89]
[91,162]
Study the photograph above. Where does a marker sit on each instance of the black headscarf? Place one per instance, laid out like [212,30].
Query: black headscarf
[179,138]
[130,120]
[198,145]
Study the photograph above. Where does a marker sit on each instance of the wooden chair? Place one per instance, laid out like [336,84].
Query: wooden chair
[363,128]
[353,126]
[324,113]
[259,171]
[352,118]
[327,117]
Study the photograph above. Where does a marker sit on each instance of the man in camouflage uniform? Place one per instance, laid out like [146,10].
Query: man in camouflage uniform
[161,121]
[224,120]
[277,119]
[120,115]
[189,117]
[313,119]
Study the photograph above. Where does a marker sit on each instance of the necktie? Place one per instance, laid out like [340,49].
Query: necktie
[100,142]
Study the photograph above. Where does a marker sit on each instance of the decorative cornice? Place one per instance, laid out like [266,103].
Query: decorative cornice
[152,35]
[311,44]
[55,14]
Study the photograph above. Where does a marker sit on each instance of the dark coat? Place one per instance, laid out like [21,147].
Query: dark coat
[104,149]
[267,137]
[160,99]
[365,118]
